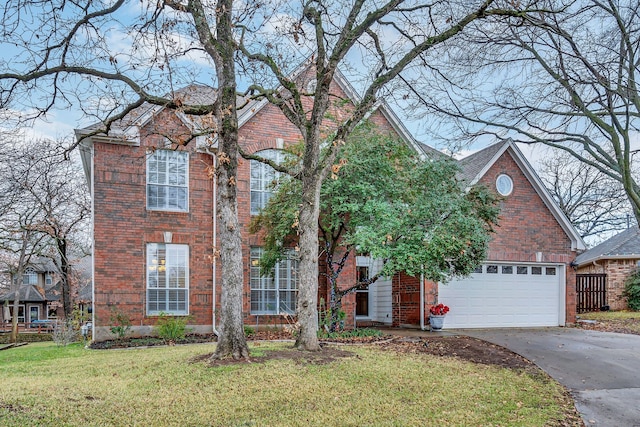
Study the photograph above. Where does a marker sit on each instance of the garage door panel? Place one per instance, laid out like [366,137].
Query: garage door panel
[503,299]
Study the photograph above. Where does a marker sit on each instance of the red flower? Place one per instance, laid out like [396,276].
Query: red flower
[439,310]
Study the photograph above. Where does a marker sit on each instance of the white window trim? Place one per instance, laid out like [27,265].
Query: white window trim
[31,273]
[502,179]
[293,283]
[149,273]
[31,307]
[185,186]
[271,154]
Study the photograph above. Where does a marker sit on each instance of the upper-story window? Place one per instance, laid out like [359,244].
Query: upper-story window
[168,180]
[263,179]
[30,277]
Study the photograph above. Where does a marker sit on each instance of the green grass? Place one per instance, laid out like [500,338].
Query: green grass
[603,316]
[72,386]
[614,321]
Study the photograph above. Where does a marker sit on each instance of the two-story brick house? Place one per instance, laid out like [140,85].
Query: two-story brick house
[154,224]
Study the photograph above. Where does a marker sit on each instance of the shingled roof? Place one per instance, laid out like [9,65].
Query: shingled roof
[623,245]
[472,165]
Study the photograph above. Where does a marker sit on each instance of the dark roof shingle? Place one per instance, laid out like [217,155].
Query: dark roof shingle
[625,244]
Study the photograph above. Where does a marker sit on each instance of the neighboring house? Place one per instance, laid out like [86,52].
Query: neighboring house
[39,294]
[154,228]
[609,263]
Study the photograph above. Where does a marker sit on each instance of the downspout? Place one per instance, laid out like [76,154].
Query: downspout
[215,237]
[422,298]
[93,247]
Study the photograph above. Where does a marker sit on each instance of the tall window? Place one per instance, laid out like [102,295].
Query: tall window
[168,180]
[167,279]
[30,277]
[275,293]
[263,180]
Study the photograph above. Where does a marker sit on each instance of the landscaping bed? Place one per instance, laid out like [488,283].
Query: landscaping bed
[461,347]
[623,322]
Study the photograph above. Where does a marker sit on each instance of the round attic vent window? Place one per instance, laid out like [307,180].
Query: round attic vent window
[504,184]
[311,86]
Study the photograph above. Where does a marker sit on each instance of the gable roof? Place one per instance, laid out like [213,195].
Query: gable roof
[34,293]
[476,165]
[625,245]
[26,293]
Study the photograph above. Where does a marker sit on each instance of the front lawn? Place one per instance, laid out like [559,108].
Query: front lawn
[626,322]
[47,385]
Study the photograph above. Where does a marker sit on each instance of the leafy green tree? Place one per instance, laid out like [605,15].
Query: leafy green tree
[385,201]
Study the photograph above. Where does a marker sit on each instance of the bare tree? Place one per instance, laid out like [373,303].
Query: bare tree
[55,187]
[20,221]
[567,79]
[109,58]
[375,43]
[594,203]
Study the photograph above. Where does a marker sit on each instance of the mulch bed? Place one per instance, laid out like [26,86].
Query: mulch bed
[462,347]
[621,326]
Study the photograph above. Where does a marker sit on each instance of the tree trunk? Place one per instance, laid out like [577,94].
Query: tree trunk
[14,319]
[231,341]
[64,277]
[307,305]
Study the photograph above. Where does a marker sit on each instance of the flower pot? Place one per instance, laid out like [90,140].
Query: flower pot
[436,322]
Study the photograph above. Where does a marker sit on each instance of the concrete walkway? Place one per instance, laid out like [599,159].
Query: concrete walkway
[601,369]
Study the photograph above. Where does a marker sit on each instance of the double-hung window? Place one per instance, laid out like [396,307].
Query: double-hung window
[167,279]
[168,180]
[275,293]
[263,179]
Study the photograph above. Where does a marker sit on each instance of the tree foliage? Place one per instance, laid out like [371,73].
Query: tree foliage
[384,38]
[385,201]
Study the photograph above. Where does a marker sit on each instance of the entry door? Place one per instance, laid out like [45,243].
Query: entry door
[34,313]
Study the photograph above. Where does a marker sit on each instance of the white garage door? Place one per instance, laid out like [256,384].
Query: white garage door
[506,295]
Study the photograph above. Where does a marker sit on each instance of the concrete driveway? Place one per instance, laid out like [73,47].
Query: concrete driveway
[601,369]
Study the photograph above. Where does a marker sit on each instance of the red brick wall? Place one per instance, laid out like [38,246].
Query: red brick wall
[261,133]
[123,226]
[405,299]
[526,227]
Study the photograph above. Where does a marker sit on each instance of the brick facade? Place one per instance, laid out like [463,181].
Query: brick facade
[617,271]
[123,226]
[527,231]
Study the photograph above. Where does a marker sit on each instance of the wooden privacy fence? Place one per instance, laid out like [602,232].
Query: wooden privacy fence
[591,292]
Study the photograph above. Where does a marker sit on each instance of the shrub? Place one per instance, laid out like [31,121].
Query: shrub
[120,323]
[64,332]
[248,331]
[172,328]
[632,290]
